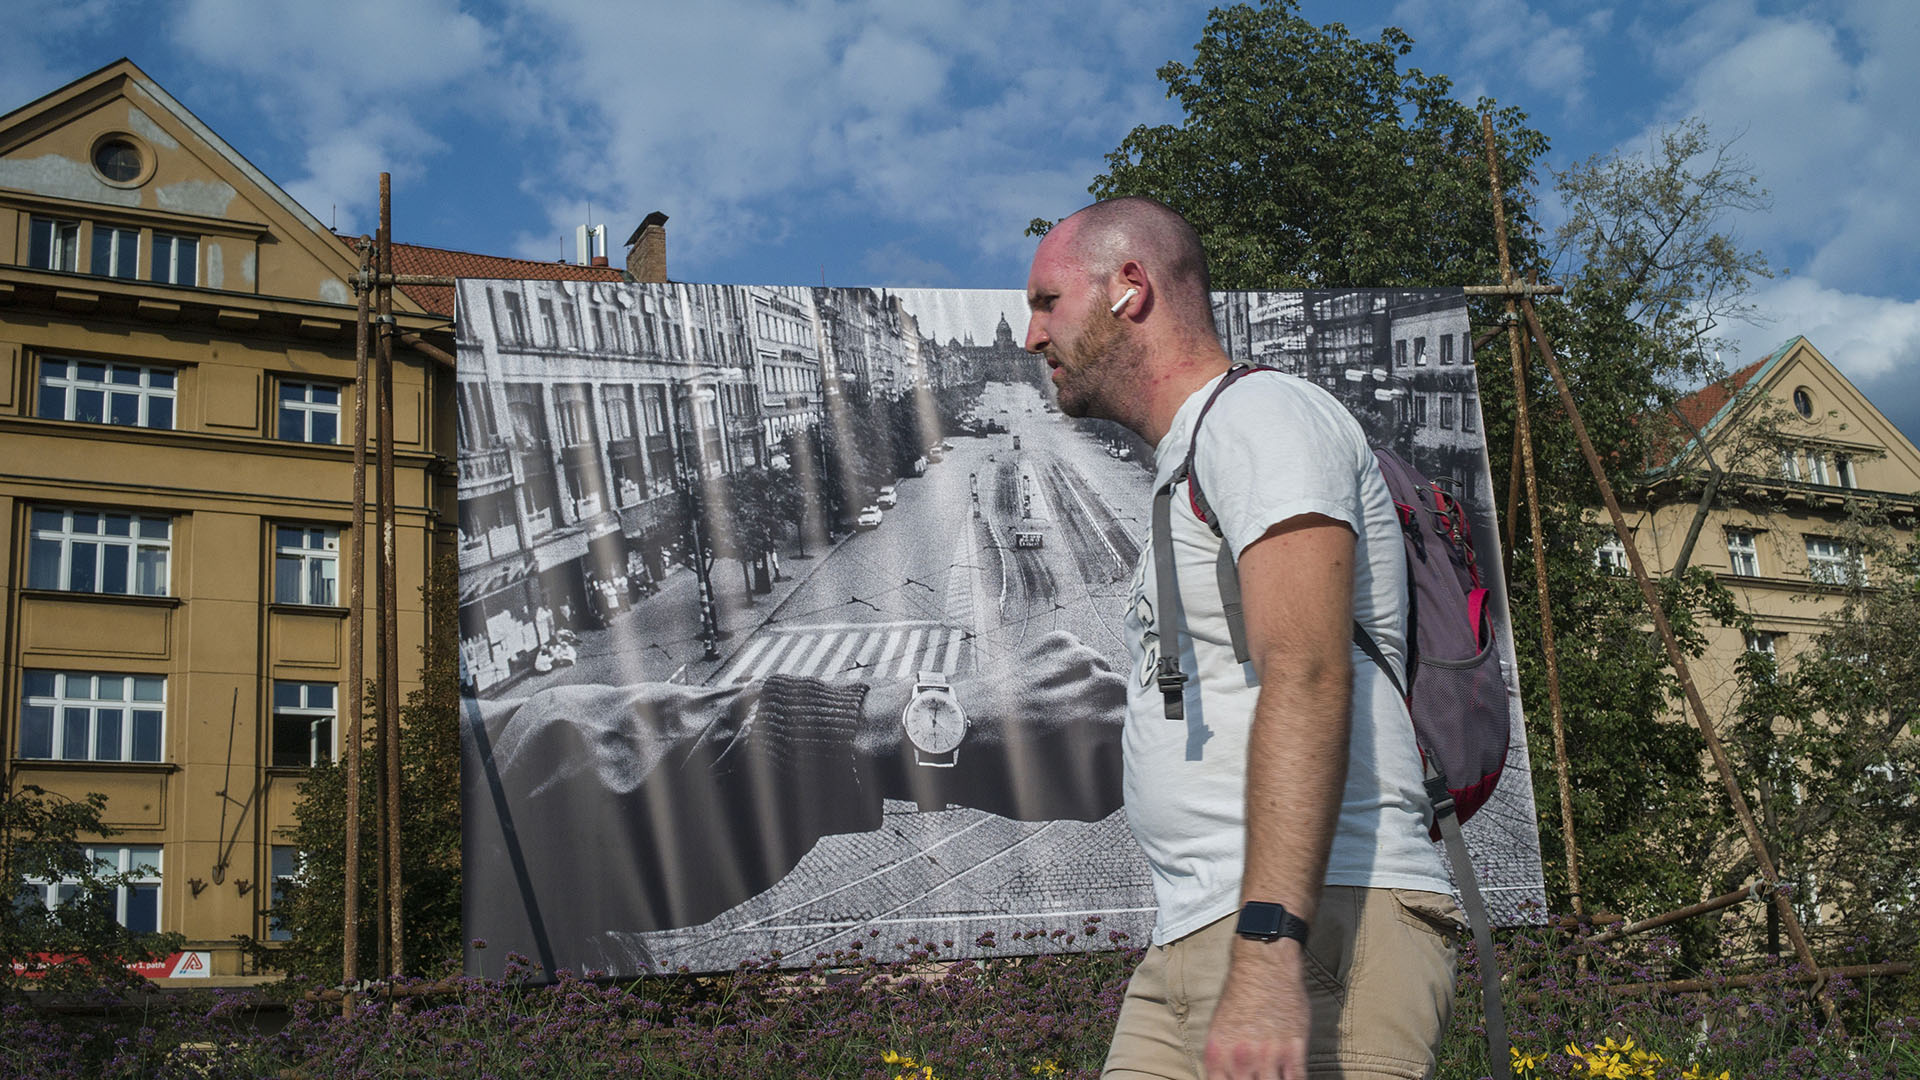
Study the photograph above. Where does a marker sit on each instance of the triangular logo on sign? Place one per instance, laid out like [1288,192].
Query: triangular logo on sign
[192,962]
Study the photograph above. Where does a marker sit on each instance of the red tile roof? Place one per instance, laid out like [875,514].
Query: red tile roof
[1698,410]
[446,262]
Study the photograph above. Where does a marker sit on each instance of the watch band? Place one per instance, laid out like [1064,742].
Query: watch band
[1263,921]
[932,680]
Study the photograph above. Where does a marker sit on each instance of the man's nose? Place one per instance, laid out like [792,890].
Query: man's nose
[1036,335]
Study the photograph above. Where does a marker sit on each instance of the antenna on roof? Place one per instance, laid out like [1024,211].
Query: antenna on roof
[336,218]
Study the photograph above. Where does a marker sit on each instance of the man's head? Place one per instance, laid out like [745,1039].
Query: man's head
[1096,336]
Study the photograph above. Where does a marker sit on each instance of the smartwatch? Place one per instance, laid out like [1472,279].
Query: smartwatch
[1262,921]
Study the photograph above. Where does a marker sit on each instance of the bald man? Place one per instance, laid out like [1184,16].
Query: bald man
[1305,925]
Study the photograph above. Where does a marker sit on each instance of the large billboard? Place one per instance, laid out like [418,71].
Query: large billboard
[793,615]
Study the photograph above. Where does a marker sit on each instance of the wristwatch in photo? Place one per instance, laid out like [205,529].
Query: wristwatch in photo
[1263,921]
[934,722]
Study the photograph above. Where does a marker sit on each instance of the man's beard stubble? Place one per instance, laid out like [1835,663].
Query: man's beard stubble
[1097,355]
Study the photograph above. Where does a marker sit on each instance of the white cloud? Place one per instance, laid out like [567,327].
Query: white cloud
[357,83]
[737,115]
[1464,37]
[1823,105]
[1871,339]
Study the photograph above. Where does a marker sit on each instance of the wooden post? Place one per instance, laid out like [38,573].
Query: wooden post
[389,595]
[1523,436]
[356,632]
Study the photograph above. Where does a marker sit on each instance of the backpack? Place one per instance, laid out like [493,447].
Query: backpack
[1462,718]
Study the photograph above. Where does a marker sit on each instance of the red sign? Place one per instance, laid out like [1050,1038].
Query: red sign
[180,965]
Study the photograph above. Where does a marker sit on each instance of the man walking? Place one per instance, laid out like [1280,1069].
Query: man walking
[1305,926]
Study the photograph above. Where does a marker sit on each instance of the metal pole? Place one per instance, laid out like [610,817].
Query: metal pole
[390,597]
[356,633]
[1524,441]
[1679,661]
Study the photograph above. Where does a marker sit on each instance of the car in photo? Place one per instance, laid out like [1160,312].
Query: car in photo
[887,498]
[869,518]
[1028,537]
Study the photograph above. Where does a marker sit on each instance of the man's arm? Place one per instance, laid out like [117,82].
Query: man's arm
[1297,584]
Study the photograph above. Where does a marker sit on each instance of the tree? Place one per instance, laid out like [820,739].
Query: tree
[313,905]
[79,943]
[1826,747]
[1307,158]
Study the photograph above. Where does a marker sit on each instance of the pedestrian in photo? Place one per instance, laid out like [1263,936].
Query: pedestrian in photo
[1305,925]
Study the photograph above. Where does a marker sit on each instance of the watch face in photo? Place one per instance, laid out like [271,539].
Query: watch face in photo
[934,723]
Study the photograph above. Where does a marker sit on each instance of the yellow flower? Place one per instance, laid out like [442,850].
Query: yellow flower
[891,1058]
[1047,1068]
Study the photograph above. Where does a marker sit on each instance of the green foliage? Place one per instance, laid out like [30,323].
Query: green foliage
[1827,747]
[313,905]
[1307,158]
[79,944]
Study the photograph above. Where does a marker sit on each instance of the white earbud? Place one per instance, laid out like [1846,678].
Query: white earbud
[1122,302]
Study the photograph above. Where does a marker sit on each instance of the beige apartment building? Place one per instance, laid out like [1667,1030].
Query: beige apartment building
[1803,449]
[176,407]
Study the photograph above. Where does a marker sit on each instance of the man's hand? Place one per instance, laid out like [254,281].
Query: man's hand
[1260,1027]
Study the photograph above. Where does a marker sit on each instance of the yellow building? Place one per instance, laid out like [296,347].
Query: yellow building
[1802,449]
[176,403]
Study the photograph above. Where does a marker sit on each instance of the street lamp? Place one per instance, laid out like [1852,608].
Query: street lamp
[709,615]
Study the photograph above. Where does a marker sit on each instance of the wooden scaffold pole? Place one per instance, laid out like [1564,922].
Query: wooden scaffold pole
[356,631]
[389,599]
[1523,445]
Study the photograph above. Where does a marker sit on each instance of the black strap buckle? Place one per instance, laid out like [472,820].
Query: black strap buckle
[1172,680]
[1441,798]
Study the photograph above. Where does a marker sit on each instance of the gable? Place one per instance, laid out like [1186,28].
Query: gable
[1839,419]
[250,236]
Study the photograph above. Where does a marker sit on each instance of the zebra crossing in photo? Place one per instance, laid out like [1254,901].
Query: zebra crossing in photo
[851,652]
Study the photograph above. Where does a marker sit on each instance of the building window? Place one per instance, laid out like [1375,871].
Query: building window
[1843,471]
[1611,555]
[1420,410]
[283,866]
[1762,642]
[53,244]
[1419,352]
[303,724]
[1447,405]
[176,259]
[1803,403]
[99,552]
[1789,465]
[1817,467]
[1830,561]
[119,161]
[306,565]
[1469,413]
[1446,348]
[516,318]
[97,392]
[1742,555]
[309,412]
[116,252]
[136,902]
[92,716]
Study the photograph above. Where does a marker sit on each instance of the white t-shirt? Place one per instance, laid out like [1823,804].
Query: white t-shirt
[1273,447]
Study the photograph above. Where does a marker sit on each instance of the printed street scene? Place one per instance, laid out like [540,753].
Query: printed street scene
[707,486]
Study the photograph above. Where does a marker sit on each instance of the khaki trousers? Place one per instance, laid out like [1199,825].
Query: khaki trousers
[1379,981]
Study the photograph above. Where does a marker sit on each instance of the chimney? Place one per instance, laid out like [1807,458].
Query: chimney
[647,250]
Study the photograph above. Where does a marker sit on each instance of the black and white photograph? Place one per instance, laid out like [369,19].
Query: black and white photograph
[791,617]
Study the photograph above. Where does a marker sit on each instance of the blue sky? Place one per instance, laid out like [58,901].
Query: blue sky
[875,142]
